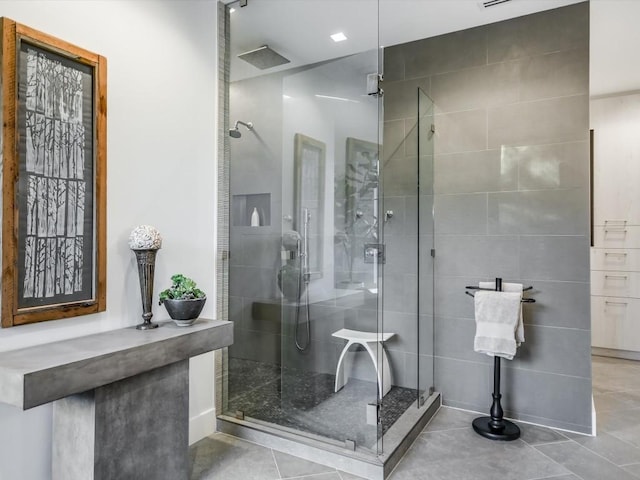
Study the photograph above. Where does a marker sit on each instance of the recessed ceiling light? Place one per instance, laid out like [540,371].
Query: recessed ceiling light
[338,37]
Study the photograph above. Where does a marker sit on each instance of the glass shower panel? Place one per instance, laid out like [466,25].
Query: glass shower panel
[319,218]
[329,269]
[426,283]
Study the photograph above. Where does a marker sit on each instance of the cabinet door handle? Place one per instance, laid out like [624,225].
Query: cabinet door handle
[615,230]
[617,254]
[622,277]
[623,304]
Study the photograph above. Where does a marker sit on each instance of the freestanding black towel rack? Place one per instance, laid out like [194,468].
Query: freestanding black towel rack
[496,427]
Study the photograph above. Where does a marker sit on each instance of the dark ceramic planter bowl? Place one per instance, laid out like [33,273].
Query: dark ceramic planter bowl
[184,312]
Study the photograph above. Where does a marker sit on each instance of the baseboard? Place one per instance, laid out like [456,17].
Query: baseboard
[202,425]
[594,417]
[615,353]
[526,419]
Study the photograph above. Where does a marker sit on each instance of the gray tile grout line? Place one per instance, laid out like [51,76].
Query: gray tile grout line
[594,453]
[622,440]
[557,432]
[555,476]
[547,456]
[560,476]
[523,443]
[615,392]
[442,430]
[273,455]
[312,476]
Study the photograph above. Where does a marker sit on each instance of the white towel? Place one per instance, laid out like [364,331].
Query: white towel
[510,287]
[497,315]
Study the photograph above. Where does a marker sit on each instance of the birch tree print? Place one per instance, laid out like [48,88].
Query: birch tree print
[56,193]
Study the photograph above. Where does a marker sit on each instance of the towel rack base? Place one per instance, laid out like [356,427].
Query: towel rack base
[484,426]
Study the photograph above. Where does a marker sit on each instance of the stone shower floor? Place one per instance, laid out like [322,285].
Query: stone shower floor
[306,401]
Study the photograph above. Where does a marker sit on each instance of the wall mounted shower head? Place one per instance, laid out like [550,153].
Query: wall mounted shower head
[235,131]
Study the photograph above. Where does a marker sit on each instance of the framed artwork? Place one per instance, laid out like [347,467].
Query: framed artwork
[308,221]
[54,177]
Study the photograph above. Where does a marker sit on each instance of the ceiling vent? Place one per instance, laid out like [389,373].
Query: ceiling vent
[493,3]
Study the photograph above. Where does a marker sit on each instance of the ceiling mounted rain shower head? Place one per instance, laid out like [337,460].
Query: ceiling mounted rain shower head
[235,131]
[263,58]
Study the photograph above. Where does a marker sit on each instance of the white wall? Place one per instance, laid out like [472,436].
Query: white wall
[161,148]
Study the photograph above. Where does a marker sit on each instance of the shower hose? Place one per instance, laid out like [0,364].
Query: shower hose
[302,277]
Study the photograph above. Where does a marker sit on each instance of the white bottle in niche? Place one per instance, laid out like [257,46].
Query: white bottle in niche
[255,218]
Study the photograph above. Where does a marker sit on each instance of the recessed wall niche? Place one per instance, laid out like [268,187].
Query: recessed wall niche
[244,205]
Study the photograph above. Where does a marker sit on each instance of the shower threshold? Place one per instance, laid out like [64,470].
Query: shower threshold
[362,462]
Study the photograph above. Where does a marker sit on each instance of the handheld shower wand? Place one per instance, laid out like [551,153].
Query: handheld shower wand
[305,276]
[306,218]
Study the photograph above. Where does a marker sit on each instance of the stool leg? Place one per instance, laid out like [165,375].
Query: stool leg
[383,374]
[341,377]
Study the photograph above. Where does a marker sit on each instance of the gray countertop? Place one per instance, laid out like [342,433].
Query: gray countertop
[41,374]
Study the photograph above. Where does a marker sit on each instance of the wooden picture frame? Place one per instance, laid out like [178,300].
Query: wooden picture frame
[54,155]
[309,172]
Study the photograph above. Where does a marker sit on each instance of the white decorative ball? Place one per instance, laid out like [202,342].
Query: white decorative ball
[145,237]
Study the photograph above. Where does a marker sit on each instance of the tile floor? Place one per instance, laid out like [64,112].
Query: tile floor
[448,449]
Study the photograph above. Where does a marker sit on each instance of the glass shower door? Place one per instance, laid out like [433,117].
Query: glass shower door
[329,251]
[426,251]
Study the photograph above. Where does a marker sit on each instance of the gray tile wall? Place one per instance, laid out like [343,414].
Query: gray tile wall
[511,200]
[264,323]
[256,168]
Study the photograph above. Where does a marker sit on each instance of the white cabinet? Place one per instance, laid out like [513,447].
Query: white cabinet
[618,325]
[618,236]
[615,256]
[624,260]
[612,283]
[616,152]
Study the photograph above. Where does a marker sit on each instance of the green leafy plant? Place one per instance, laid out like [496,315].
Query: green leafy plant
[182,288]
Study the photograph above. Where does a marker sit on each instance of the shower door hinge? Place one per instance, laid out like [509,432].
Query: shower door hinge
[350,445]
[239,415]
[433,252]
[373,413]
[373,85]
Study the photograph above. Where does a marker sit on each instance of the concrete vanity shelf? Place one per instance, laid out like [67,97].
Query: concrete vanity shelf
[121,398]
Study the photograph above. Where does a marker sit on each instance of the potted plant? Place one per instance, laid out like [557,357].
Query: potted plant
[183,300]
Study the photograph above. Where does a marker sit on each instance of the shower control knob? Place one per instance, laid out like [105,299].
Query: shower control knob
[359,213]
[388,214]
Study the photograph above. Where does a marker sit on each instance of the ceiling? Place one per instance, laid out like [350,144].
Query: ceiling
[300,29]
